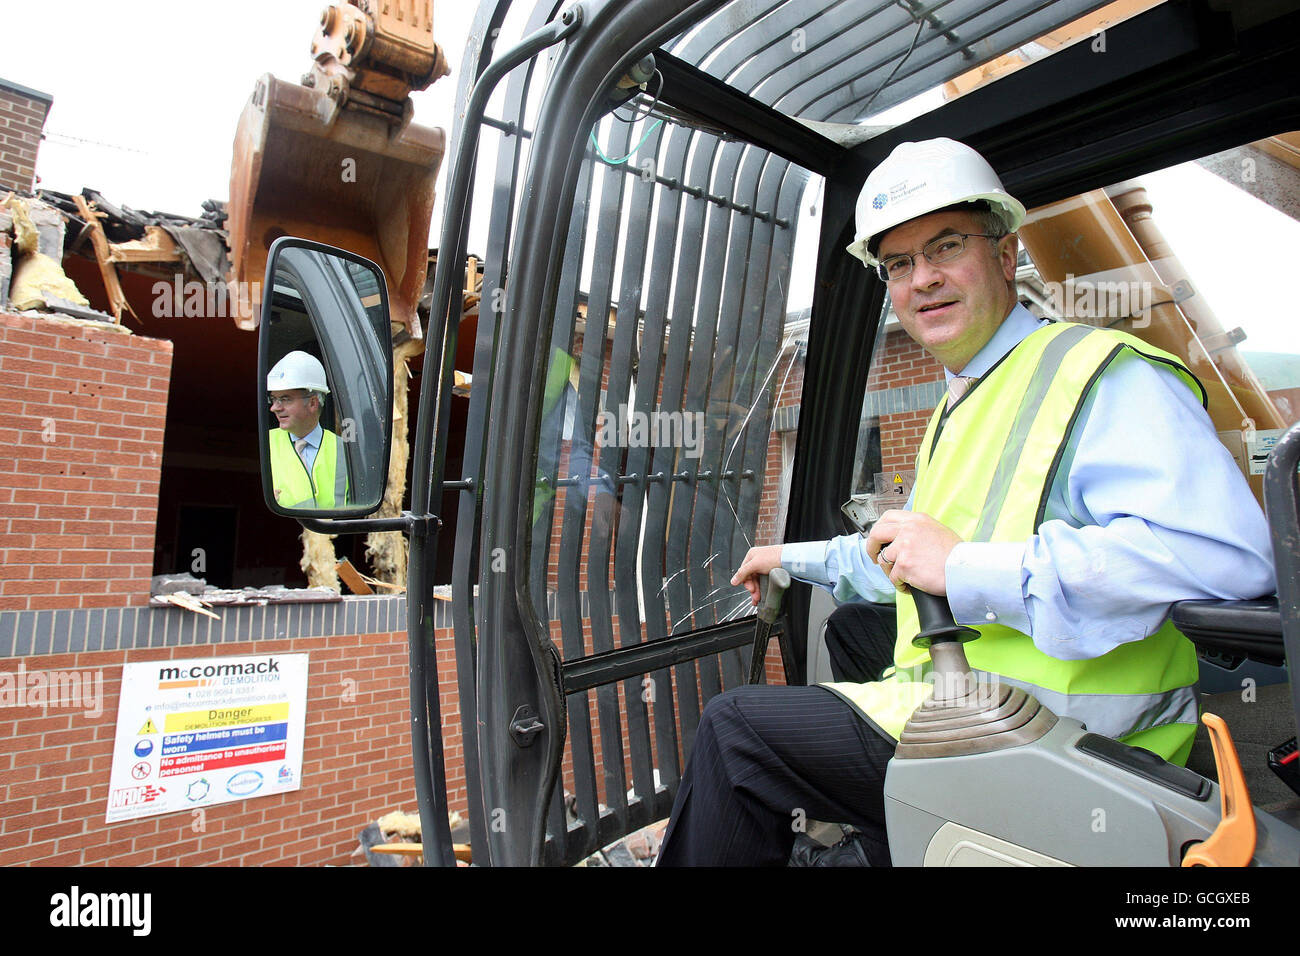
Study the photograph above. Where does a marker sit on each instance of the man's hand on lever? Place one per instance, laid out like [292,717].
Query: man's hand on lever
[758,561]
[912,549]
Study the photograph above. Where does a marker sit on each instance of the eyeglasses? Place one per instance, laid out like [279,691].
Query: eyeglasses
[281,400]
[944,249]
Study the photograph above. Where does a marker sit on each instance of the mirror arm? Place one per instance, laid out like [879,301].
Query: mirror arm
[406,522]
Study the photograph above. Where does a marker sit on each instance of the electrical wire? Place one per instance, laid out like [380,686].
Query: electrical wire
[67,140]
[898,66]
[641,142]
[638,113]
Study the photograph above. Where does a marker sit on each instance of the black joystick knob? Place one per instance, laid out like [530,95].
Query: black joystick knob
[937,624]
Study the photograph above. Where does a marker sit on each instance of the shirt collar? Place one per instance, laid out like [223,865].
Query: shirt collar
[314,436]
[1018,324]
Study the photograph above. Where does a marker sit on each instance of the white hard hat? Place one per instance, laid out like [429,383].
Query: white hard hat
[924,177]
[297,370]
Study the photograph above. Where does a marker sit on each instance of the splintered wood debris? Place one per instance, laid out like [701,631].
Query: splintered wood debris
[195,594]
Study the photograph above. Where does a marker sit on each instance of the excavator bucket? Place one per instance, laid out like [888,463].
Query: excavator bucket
[304,167]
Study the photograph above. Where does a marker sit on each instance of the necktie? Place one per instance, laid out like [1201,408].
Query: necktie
[299,444]
[957,387]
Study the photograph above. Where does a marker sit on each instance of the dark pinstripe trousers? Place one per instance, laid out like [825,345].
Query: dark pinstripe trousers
[768,759]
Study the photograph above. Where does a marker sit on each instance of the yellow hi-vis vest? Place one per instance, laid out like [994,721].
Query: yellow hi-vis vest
[557,379]
[327,483]
[988,479]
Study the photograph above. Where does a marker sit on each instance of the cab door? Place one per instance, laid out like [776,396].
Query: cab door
[649,384]
[630,402]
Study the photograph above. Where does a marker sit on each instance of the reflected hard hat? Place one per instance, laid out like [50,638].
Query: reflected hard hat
[297,370]
[920,178]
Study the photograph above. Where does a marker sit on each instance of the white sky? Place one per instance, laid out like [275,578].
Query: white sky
[1235,248]
[147,94]
[152,89]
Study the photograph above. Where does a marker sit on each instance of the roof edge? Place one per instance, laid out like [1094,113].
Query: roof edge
[27,91]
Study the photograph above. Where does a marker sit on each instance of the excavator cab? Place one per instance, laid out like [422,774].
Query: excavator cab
[674,359]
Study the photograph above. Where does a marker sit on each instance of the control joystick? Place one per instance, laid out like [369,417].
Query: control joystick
[967,713]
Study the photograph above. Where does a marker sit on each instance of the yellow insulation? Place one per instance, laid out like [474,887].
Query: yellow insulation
[386,550]
[318,561]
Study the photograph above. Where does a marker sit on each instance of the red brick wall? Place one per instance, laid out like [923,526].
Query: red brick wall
[453,748]
[902,362]
[22,118]
[54,766]
[81,417]
[789,382]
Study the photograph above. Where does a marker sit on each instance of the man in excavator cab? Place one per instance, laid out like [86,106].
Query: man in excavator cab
[308,467]
[1069,488]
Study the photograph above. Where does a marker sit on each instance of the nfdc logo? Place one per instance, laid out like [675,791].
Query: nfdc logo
[134,796]
[879,201]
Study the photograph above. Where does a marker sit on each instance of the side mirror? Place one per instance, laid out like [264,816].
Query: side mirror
[325,382]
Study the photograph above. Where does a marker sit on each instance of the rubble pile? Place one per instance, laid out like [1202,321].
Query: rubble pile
[31,252]
[38,232]
[182,589]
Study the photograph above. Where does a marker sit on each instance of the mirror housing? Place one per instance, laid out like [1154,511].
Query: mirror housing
[325,354]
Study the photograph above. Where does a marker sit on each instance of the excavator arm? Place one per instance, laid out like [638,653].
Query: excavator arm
[336,157]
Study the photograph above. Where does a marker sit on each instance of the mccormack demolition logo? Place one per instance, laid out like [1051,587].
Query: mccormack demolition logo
[208,675]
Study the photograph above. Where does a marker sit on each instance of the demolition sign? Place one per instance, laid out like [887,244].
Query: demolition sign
[194,733]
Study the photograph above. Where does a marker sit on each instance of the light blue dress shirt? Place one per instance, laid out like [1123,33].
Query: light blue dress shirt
[309,451]
[1146,508]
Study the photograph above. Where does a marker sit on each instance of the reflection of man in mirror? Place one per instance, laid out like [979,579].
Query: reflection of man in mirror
[307,465]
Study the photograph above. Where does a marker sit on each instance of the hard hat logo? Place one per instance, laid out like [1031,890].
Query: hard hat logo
[920,178]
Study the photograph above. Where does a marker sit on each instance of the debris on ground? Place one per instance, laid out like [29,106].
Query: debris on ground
[399,827]
[636,849]
[394,840]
